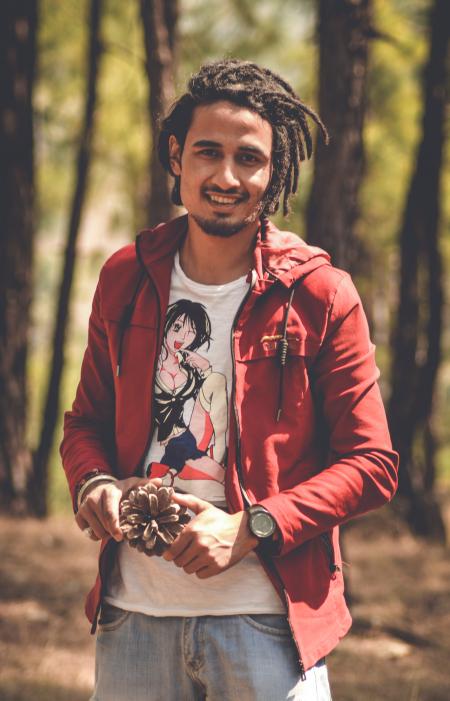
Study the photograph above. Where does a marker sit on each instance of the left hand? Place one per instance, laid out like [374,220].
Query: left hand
[213,541]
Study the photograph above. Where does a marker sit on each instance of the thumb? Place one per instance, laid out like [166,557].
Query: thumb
[133,482]
[191,502]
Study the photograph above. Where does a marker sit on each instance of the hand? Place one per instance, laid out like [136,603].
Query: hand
[213,541]
[99,509]
[195,360]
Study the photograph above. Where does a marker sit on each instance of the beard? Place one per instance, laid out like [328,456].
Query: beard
[222,227]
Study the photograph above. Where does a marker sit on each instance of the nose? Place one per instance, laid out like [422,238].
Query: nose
[226,176]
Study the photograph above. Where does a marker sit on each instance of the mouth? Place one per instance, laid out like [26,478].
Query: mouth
[178,345]
[223,200]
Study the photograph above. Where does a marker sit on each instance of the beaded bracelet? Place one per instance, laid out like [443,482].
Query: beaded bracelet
[88,479]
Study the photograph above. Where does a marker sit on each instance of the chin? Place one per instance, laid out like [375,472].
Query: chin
[221,227]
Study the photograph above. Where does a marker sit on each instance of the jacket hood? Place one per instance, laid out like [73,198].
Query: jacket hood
[279,255]
[285,256]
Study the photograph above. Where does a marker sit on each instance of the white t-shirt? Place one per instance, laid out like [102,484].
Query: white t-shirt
[188,449]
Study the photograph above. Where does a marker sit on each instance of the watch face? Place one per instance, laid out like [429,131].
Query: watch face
[262,524]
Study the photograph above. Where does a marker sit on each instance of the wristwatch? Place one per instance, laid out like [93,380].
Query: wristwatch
[260,522]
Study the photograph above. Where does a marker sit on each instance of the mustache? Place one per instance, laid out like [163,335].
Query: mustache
[230,191]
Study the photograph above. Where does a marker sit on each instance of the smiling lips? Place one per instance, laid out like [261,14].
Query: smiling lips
[224,199]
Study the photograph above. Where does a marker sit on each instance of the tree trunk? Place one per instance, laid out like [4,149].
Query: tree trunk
[38,486]
[417,336]
[18,24]
[159,18]
[332,213]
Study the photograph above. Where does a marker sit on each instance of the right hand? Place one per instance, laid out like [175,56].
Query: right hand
[99,508]
[195,360]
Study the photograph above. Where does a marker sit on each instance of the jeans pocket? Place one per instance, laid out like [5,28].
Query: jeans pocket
[271,623]
[111,617]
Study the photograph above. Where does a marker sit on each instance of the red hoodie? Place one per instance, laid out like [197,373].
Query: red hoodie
[308,438]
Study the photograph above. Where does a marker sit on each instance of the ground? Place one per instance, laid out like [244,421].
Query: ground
[398,650]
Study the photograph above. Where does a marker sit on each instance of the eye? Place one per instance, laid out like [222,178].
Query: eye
[176,326]
[248,158]
[209,152]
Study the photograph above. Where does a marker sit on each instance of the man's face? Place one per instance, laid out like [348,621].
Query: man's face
[225,167]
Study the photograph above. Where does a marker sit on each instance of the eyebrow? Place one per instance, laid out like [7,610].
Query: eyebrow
[206,143]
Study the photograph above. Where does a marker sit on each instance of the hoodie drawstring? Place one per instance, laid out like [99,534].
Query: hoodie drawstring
[125,320]
[282,349]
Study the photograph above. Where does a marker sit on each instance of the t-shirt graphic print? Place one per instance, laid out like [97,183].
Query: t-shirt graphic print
[192,387]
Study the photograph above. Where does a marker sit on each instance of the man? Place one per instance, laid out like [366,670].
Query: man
[232,361]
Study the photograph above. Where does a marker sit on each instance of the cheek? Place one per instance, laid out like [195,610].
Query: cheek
[260,181]
[170,338]
[187,189]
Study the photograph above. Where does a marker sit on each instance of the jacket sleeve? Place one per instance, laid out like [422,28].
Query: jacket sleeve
[88,441]
[361,473]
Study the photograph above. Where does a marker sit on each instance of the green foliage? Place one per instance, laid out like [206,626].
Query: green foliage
[275,33]
[393,120]
[58,100]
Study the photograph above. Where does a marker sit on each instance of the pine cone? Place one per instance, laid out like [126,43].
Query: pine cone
[150,520]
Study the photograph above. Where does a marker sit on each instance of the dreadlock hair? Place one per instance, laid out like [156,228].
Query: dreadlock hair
[264,92]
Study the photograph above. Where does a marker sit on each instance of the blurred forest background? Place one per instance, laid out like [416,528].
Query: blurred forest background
[83,84]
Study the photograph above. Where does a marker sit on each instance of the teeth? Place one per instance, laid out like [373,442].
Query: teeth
[222,200]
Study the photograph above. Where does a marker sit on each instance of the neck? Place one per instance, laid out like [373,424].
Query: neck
[213,260]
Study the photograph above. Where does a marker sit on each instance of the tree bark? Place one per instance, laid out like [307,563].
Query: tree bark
[418,331]
[18,25]
[332,212]
[159,19]
[38,485]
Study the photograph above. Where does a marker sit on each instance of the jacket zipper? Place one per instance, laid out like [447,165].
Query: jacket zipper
[245,496]
[328,543]
[158,327]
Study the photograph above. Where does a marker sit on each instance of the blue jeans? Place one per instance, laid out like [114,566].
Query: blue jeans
[218,658]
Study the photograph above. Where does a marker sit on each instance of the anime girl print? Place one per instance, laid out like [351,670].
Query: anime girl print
[191,409]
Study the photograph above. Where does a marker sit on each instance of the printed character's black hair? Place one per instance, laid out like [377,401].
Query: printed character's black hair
[259,89]
[195,314]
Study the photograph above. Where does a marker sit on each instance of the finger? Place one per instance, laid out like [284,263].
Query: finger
[96,525]
[193,503]
[179,545]
[133,482]
[110,513]
[195,566]
[206,572]
[81,522]
[190,555]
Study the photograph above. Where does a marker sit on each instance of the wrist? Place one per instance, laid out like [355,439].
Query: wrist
[85,485]
[251,541]
[264,528]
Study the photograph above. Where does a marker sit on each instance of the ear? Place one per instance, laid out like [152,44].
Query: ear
[174,155]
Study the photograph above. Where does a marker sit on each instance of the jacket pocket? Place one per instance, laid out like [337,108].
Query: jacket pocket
[329,550]
[268,383]
[266,345]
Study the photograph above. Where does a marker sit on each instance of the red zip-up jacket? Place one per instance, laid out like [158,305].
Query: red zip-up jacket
[308,438]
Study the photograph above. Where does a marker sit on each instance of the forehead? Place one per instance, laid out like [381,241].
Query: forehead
[225,122]
[183,319]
